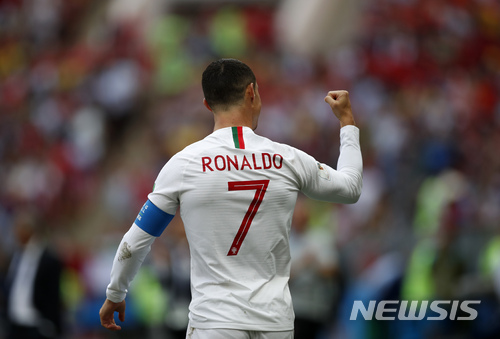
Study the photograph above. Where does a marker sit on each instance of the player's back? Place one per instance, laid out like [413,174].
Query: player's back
[237,194]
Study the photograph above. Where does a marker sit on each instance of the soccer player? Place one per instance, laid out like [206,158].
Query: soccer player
[236,192]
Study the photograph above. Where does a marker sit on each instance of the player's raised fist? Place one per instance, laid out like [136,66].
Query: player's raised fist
[341,106]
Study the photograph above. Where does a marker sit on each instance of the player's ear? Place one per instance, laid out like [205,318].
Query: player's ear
[207,105]
[250,91]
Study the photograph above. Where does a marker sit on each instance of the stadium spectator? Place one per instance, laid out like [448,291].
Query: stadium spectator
[34,304]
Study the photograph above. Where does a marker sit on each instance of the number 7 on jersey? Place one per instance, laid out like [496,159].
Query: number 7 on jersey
[260,187]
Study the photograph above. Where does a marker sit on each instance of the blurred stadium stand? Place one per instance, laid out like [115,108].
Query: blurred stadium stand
[95,96]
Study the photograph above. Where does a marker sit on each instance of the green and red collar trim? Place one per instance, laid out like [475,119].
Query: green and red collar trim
[239,142]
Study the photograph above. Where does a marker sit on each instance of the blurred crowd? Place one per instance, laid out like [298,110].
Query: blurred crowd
[92,107]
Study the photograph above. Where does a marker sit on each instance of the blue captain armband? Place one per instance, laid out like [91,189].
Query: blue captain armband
[153,220]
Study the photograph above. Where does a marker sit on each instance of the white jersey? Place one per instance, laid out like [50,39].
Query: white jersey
[237,192]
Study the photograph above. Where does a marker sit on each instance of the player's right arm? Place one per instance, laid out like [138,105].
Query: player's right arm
[341,106]
[320,181]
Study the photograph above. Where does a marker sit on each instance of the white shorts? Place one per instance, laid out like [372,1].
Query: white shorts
[223,333]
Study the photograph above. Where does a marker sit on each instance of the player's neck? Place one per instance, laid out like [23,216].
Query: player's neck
[232,118]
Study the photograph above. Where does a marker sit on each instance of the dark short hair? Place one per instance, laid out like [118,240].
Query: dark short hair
[224,82]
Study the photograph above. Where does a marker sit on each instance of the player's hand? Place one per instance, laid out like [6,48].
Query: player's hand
[341,106]
[107,314]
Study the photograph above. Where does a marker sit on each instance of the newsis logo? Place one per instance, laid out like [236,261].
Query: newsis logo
[392,309]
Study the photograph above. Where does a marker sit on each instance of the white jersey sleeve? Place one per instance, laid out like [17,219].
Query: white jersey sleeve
[168,185]
[136,243]
[321,182]
[134,247]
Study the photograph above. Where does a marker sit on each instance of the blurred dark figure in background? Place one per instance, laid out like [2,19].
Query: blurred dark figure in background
[315,276]
[33,309]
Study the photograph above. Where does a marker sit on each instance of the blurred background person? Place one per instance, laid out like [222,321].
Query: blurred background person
[315,277]
[34,304]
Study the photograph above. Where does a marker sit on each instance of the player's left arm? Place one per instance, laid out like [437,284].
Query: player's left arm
[133,249]
[153,218]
